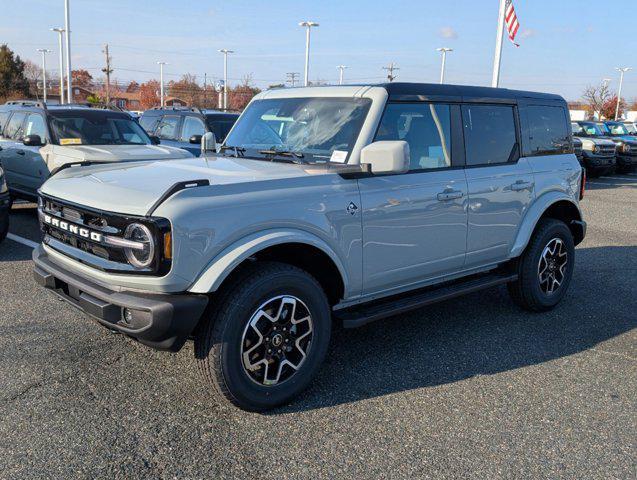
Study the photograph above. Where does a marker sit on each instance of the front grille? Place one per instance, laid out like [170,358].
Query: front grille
[85,229]
[607,150]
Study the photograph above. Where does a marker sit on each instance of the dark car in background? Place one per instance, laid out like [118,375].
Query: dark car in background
[597,150]
[183,127]
[626,144]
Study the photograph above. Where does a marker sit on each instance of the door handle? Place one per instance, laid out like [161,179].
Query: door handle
[521,185]
[449,195]
[20,152]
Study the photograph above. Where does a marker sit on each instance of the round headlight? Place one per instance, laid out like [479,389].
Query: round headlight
[626,148]
[143,256]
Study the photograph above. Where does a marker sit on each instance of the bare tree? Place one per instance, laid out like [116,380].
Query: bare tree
[595,96]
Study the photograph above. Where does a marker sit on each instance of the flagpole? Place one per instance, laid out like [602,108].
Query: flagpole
[495,81]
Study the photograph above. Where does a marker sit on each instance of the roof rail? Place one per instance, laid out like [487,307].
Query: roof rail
[173,107]
[27,103]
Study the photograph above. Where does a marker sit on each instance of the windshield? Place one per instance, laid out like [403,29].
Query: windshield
[631,128]
[576,128]
[617,129]
[592,129]
[313,129]
[96,128]
[220,125]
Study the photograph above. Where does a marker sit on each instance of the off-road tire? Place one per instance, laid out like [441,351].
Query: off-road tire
[526,291]
[218,340]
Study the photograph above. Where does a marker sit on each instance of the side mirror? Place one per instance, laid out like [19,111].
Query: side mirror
[196,139]
[387,156]
[32,141]
[208,143]
[154,139]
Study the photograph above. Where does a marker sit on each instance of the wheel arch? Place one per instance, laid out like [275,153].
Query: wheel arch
[298,248]
[551,205]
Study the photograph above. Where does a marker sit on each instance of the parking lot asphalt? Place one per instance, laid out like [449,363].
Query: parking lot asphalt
[471,388]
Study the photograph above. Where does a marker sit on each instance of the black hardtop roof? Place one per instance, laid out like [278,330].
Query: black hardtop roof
[396,89]
[186,111]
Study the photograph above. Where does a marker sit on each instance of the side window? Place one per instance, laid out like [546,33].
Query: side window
[192,126]
[426,127]
[149,123]
[548,133]
[35,126]
[168,127]
[489,134]
[14,127]
[4,116]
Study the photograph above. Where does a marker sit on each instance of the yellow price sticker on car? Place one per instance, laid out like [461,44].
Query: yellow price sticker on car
[70,141]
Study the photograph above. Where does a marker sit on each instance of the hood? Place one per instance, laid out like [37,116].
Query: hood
[133,187]
[632,139]
[57,155]
[601,141]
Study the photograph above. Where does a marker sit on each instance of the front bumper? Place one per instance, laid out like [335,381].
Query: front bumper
[161,321]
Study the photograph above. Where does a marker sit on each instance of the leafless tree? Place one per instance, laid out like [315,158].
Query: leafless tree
[595,96]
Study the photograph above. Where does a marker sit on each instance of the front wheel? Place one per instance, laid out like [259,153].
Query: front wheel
[545,268]
[266,336]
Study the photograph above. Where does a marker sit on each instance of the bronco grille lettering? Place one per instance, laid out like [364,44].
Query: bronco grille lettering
[74,229]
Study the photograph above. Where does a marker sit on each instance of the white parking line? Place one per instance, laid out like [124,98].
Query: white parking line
[23,241]
[620,178]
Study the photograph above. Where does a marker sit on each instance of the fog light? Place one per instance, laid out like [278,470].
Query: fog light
[128,315]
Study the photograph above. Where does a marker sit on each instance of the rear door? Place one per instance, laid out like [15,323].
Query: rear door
[9,156]
[415,224]
[500,182]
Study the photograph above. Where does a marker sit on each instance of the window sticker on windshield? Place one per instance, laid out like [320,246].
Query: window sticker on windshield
[70,141]
[338,156]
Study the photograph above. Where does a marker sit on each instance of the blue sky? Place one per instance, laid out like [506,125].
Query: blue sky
[565,44]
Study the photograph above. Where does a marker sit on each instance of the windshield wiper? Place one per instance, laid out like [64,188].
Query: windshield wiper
[282,153]
[237,150]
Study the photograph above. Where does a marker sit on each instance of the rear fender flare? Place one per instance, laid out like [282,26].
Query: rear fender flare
[533,215]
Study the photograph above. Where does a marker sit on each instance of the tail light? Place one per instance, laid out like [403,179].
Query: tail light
[582,187]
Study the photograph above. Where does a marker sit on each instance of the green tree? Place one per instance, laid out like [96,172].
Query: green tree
[12,79]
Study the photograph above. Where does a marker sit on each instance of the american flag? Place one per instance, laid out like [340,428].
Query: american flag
[511,20]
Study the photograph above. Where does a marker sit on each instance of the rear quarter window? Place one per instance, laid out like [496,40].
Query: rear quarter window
[548,130]
[490,134]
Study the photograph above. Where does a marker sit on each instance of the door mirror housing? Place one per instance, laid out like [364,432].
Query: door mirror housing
[208,143]
[195,139]
[387,156]
[32,141]
[155,140]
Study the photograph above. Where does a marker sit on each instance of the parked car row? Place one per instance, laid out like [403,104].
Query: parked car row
[36,139]
[606,147]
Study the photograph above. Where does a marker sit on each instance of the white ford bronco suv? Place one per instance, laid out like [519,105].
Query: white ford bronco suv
[344,203]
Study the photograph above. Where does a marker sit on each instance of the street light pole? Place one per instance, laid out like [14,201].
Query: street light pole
[161,83]
[60,32]
[44,51]
[495,80]
[67,28]
[225,52]
[340,75]
[444,51]
[308,25]
[621,70]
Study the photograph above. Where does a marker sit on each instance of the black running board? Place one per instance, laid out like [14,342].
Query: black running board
[358,316]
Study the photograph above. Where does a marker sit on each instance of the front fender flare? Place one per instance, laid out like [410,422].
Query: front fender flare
[533,215]
[227,260]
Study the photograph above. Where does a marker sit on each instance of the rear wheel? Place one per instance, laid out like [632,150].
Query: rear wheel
[266,336]
[545,268]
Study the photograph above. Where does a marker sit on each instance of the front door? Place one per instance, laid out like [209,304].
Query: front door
[501,184]
[415,224]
